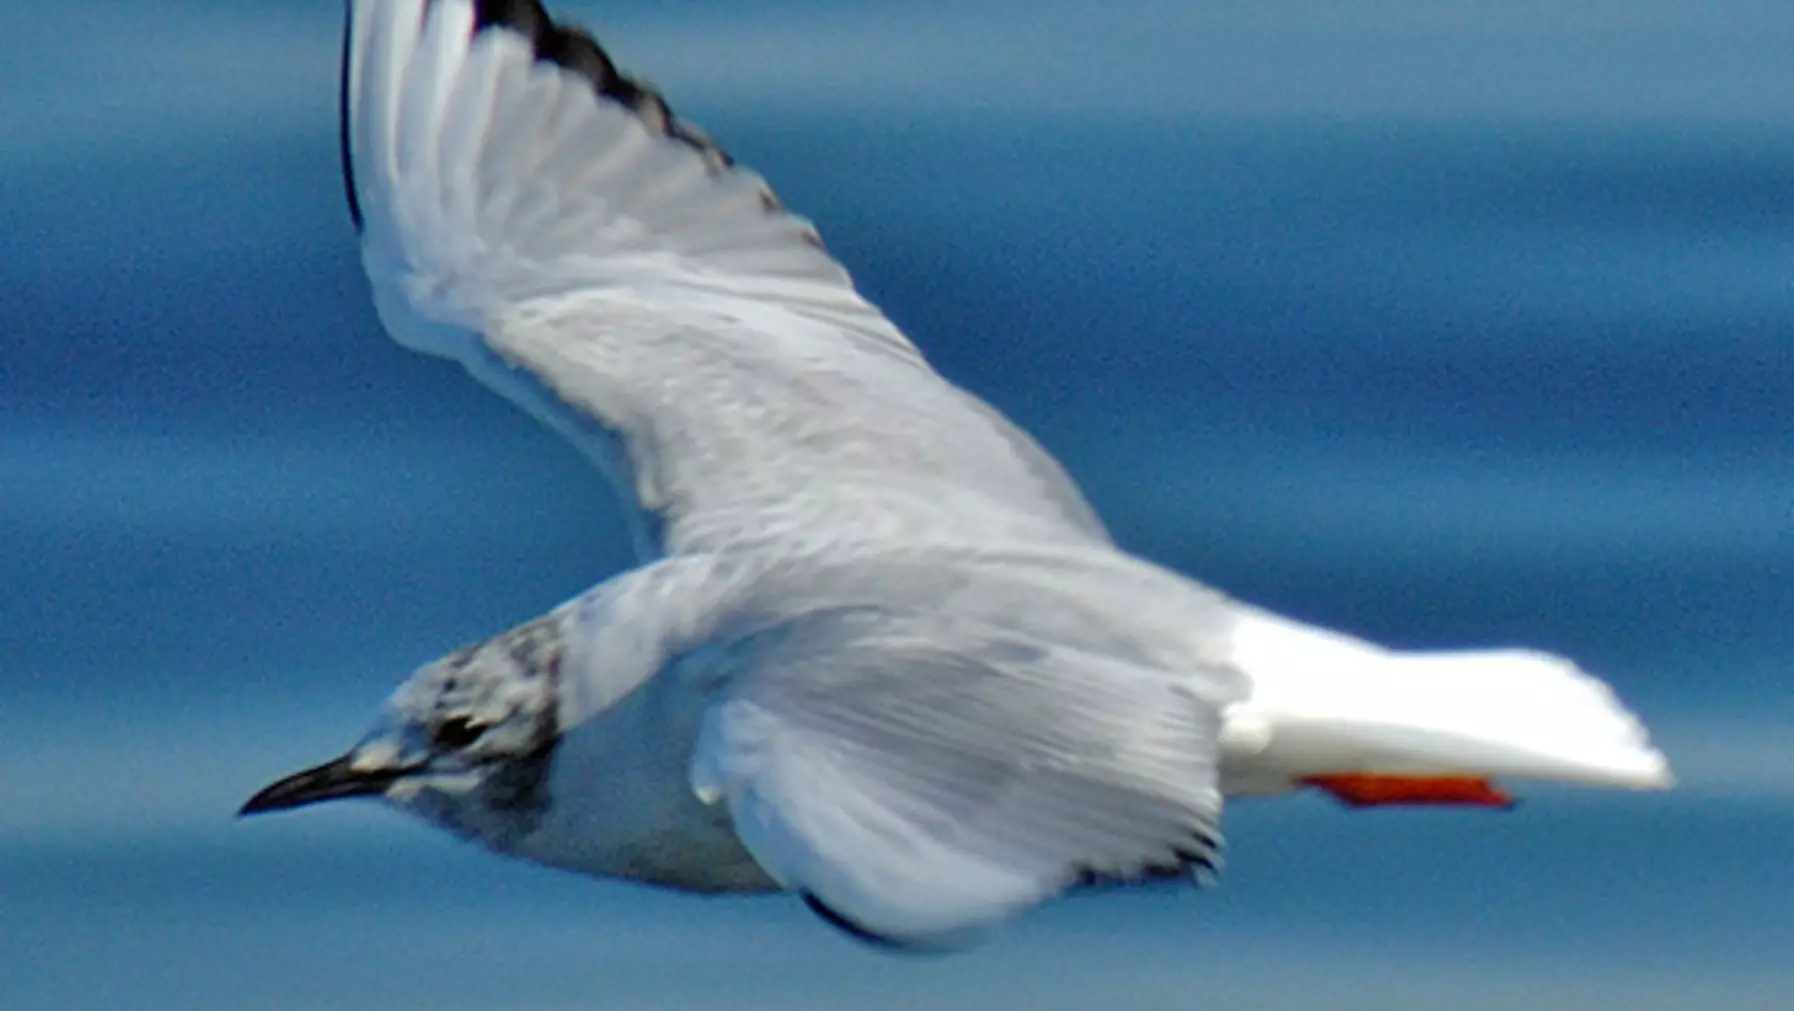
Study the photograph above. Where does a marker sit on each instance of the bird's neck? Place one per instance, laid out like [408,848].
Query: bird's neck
[627,709]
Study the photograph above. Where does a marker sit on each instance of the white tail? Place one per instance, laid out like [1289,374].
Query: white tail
[1328,704]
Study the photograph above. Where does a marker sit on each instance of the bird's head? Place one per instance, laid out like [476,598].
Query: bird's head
[465,742]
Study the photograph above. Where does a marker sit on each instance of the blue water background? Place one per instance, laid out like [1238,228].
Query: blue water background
[1444,323]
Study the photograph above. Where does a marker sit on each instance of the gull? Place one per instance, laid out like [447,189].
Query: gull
[879,652]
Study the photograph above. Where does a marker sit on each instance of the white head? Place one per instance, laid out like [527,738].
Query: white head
[466,742]
[557,741]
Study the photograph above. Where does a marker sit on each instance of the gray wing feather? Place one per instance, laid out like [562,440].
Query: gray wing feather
[923,777]
[738,429]
[548,222]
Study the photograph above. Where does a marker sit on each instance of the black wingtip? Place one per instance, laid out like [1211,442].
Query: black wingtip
[857,931]
[342,119]
[575,50]
[566,46]
[1194,860]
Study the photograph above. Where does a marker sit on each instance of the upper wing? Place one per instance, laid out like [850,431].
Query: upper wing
[548,222]
[920,779]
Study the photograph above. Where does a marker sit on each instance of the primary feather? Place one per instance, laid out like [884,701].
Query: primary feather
[533,213]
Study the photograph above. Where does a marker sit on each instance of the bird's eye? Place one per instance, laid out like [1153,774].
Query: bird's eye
[456,732]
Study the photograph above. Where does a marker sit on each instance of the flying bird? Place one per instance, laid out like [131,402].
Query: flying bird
[879,652]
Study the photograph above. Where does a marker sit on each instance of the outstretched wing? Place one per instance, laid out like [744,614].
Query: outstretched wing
[920,779]
[529,211]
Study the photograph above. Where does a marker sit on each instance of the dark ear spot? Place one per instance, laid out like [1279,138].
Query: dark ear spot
[456,732]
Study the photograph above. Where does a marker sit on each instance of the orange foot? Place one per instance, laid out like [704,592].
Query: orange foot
[1369,790]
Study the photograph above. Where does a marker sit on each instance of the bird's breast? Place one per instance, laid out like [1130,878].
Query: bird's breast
[620,805]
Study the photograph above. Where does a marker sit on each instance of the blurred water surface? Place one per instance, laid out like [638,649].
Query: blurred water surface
[1449,324]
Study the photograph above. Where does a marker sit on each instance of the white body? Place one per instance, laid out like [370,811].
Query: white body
[880,651]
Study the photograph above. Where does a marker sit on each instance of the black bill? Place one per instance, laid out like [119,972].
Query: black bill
[333,780]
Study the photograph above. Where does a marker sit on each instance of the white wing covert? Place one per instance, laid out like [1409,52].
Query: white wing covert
[548,222]
[920,779]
